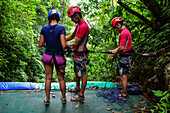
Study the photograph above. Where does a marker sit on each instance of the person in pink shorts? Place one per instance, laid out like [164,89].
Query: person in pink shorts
[53,36]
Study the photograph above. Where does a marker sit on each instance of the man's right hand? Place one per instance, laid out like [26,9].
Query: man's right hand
[111,55]
[68,46]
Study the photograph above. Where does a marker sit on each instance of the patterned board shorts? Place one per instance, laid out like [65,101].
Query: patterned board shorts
[125,64]
[60,60]
[77,68]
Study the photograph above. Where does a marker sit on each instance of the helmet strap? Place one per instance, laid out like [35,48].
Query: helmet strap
[77,18]
[120,26]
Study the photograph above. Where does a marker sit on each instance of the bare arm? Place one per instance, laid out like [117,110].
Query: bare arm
[41,41]
[76,43]
[117,50]
[63,41]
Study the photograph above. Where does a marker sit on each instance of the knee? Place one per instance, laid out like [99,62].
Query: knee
[48,77]
[84,77]
[124,77]
[61,79]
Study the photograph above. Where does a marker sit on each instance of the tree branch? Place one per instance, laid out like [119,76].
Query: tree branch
[148,22]
[157,11]
[154,7]
[161,51]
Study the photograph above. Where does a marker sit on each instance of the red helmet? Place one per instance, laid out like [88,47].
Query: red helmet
[115,20]
[72,9]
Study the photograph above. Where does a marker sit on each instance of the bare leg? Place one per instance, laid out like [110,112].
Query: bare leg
[77,81]
[83,85]
[62,82]
[49,74]
[124,85]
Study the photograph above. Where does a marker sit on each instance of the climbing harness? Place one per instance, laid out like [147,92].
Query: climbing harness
[55,61]
[125,60]
[82,62]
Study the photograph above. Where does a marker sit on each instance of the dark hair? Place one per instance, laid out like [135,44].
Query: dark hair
[53,17]
[79,13]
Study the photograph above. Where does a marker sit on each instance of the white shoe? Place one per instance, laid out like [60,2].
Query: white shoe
[47,102]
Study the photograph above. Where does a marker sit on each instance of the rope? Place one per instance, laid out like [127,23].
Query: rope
[71,51]
[111,96]
[166,49]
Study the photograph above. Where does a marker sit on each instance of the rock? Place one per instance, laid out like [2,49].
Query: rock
[167,76]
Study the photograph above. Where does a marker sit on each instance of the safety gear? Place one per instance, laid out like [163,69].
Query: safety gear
[55,61]
[53,12]
[115,20]
[72,9]
[81,65]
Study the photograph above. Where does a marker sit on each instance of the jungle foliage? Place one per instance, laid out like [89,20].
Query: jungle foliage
[22,20]
[147,20]
[21,23]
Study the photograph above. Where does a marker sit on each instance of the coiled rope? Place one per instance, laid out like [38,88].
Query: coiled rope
[111,96]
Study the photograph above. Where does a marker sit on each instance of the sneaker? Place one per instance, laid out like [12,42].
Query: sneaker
[47,102]
[64,101]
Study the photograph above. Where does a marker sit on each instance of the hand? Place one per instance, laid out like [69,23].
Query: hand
[44,44]
[111,55]
[71,46]
[67,46]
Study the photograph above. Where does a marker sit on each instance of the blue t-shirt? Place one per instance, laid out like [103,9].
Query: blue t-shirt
[52,37]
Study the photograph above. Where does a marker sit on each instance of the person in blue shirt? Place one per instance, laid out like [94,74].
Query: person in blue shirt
[53,37]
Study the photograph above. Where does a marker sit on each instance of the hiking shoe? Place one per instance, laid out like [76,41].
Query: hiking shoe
[64,101]
[47,102]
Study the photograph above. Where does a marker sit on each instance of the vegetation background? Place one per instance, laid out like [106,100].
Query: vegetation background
[147,20]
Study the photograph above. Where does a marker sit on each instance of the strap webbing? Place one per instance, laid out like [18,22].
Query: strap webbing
[127,40]
[57,65]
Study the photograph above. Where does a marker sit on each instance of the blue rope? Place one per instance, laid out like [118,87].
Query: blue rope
[111,96]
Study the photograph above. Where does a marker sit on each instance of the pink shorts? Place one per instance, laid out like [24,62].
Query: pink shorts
[60,60]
